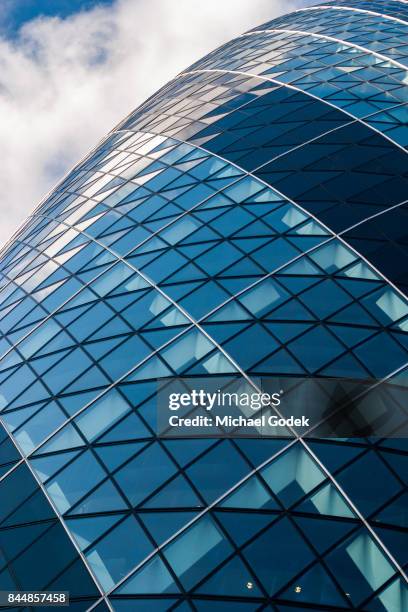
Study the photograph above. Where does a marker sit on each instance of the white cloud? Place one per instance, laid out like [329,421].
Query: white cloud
[65,83]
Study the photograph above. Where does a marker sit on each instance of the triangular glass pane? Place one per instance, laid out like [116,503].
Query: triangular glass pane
[103,499]
[152,578]
[45,467]
[292,310]
[324,533]
[394,597]
[286,331]
[258,452]
[230,312]
[292,475]
[152,369]
[277,555]
[345,367]
[396,541]
[252,495]
[130,428]
[177,494]
[242,526]
[279,363]
[114,455]
[315,587]
[327,501]
[13,541]
[68,437]
[87,530]
[197,551]
[184,451]
[333,456]
[163,525]
[360,566]
[233,580]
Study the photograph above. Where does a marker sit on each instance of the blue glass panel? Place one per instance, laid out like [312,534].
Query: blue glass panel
[115,555]
[141,476]
[197,551]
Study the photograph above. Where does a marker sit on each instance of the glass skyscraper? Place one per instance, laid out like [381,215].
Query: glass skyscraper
[248,219]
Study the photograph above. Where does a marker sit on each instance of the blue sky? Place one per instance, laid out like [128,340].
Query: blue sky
[15,13]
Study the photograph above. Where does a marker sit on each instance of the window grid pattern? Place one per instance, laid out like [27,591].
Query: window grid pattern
[391,8]
[346,76]
[396,12]
[349,24]
[170,252]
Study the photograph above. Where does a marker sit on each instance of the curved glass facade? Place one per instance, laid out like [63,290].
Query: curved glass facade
[248,219]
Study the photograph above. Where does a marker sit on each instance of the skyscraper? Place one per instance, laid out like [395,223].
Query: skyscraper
[248,219]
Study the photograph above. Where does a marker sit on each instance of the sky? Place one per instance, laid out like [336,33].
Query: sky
[70,70]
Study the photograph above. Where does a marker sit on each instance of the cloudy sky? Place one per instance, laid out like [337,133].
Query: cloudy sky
[71,69]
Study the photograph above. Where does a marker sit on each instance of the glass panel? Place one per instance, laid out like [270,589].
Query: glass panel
[263,297]
[154,577]
[141,476]
[277,555]
[292,475]
[115,555]
[333,257]
[34,431]
[360,567]
[190,348]
[75,481]
[96,419]
[197,551]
